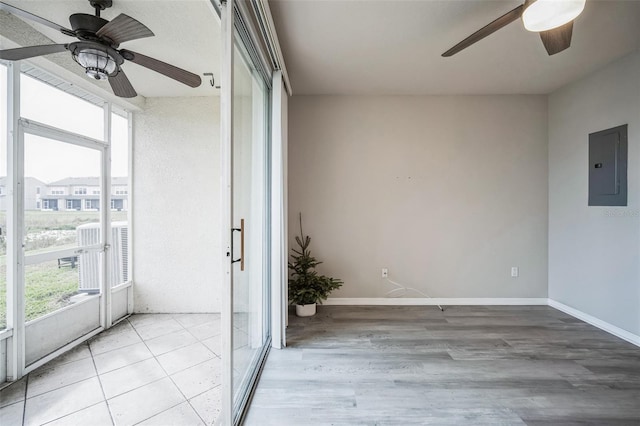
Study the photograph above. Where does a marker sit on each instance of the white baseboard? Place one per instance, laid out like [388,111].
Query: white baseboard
[423,301]
[603,325]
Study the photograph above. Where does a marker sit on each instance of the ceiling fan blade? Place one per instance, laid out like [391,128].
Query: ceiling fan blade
[183,76]
[121,85]
[557,39]
[124,28]
[494,26]
[35,18]
[31,51]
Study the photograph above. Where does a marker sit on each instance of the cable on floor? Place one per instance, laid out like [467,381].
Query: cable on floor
[401,290]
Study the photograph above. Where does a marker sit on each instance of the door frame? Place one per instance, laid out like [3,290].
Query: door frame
[226,150]
[30,127]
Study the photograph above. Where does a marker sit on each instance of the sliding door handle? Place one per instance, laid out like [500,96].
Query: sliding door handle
[241,258]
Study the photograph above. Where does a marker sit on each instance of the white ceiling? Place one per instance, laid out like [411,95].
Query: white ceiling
[187,34]
[394,46]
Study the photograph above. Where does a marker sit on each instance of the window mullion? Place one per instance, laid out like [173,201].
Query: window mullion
[15,225]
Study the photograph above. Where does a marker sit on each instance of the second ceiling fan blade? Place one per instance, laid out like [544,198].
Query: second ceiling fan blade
[124,28]
[171,71]
[35,18]
[121,85]
[494,26]
[31,51]
[557,39]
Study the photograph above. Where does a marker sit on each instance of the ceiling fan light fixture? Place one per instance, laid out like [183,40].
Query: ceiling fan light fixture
[97,62]
[545,15]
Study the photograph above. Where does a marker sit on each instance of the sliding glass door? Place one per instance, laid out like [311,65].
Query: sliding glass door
[245,144]
[249,212]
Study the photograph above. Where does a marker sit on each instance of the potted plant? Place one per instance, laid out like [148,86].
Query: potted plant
[306,286]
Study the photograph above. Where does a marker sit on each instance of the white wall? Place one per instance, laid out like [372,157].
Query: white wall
[594,252]
[446,192]
[176,196]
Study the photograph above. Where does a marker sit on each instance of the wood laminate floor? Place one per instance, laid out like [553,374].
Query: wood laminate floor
[475,365]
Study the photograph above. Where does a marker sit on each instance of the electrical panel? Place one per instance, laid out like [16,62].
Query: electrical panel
[608,167]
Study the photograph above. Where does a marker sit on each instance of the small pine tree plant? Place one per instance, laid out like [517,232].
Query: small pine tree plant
[306,286]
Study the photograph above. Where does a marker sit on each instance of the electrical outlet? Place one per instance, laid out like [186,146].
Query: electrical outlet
[385,273]
[515,271]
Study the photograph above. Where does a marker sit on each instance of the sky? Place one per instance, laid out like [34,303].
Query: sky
[49,160]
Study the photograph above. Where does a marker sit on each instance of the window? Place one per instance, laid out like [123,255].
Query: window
[119,202]
[55,166]
[92,204]
[41,102]
[117,205]
[74,205]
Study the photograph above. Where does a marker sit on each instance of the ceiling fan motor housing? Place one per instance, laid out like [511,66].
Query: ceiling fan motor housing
[85,26]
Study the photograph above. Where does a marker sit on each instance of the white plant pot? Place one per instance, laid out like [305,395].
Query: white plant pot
[306,310]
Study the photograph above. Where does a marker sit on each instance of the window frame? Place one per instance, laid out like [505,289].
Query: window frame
[13,334]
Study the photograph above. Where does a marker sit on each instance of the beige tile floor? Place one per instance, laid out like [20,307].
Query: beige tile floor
[161,369]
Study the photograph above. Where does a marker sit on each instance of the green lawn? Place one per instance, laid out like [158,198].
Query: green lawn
[48,287]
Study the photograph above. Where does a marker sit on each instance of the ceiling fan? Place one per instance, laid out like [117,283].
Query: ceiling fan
[97,49]
[553,19]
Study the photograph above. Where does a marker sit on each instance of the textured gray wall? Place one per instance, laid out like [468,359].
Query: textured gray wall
[448,192]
